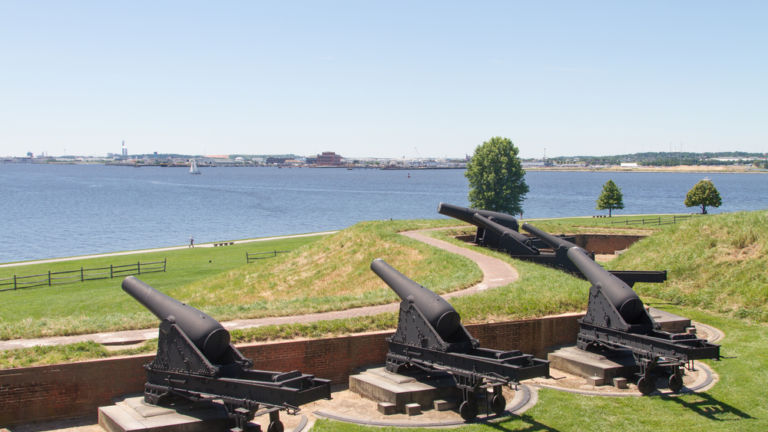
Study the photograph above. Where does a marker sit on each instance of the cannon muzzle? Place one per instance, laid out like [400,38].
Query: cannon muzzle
[624,299]
[465,214]
[438,312]
[205,332]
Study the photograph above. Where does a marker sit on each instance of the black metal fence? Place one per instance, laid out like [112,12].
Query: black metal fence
[81,275]
[656,220]
[251,257]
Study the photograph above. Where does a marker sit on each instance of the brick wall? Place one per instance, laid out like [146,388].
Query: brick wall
[78,389]
[605,244]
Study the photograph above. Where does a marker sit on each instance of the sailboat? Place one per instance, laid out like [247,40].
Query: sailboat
[193,167]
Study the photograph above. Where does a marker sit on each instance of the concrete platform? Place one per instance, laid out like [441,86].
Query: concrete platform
[596,368]
[670,322]
[134,415]
[380,385]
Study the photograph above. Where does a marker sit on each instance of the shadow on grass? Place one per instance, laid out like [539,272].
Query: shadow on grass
[709,407]
[533,426]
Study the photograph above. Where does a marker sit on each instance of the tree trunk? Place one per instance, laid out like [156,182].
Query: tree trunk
[703,209]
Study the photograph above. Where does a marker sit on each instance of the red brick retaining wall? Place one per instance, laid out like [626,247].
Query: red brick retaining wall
[78,389]
[605,244]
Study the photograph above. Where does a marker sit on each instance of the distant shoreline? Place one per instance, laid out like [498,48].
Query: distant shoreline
[725,169]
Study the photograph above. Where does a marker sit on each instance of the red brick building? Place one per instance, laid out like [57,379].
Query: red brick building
[329,159]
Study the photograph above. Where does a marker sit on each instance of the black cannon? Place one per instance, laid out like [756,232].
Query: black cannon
[500,231]
[196,362]
[559,258]
[431,338]
[483,237]
[617,321]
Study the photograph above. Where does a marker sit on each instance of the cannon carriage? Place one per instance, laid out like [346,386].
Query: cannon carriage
[617,321]
[431,338]
[196,362]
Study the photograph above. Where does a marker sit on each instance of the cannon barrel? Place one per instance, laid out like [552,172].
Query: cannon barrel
[500,230]
[553,241]
[465,214]
[205,332]
[624,299]
[438,312]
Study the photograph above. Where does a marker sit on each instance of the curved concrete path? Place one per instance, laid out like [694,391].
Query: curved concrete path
[496,273]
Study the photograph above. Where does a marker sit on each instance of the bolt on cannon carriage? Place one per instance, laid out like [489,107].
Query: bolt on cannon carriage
[431,338]
[196,362]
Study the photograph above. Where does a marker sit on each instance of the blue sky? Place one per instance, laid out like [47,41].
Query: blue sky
[383,78]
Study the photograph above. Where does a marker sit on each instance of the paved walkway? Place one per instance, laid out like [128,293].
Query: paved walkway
[201,245]
[496,273]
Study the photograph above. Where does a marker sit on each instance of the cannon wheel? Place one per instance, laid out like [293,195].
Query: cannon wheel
[646,385]
[498,404]
[275,426]
[675,382]
[468,409]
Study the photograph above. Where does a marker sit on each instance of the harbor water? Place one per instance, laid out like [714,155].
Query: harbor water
[63,210]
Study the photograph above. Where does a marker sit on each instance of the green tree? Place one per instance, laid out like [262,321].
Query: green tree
[496,177]
[611,198]
[703,194]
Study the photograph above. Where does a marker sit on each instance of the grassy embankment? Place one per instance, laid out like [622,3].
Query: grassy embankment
[735,403]
[328,274]
[716,275]
[318,275]
[100,305]
[211,278]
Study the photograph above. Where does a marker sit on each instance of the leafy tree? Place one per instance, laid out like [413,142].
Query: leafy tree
[703,194]
[611,198]
[496,177]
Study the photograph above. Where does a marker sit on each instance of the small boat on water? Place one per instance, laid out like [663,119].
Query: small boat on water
[193,169]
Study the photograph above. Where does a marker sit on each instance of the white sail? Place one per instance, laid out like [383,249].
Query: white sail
[193,167]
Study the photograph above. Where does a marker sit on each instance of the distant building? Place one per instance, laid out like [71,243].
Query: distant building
[629,165]
[276,160]
[328,159]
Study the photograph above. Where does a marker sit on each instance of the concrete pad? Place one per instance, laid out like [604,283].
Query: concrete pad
[134,415]
[620,383]
[386,408]
[669,322]
[380,385]
[591,366]
[444,405]
[412,409]
[595,381]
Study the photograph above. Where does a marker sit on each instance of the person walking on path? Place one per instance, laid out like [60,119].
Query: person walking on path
[191,241]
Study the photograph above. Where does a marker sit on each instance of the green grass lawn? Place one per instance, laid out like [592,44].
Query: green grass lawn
[319,274]
[101,305]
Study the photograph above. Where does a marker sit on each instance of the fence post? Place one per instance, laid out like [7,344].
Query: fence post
[14,281]
[164,263]
[49,278]
[82,276]
[110,271]
[138,266]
